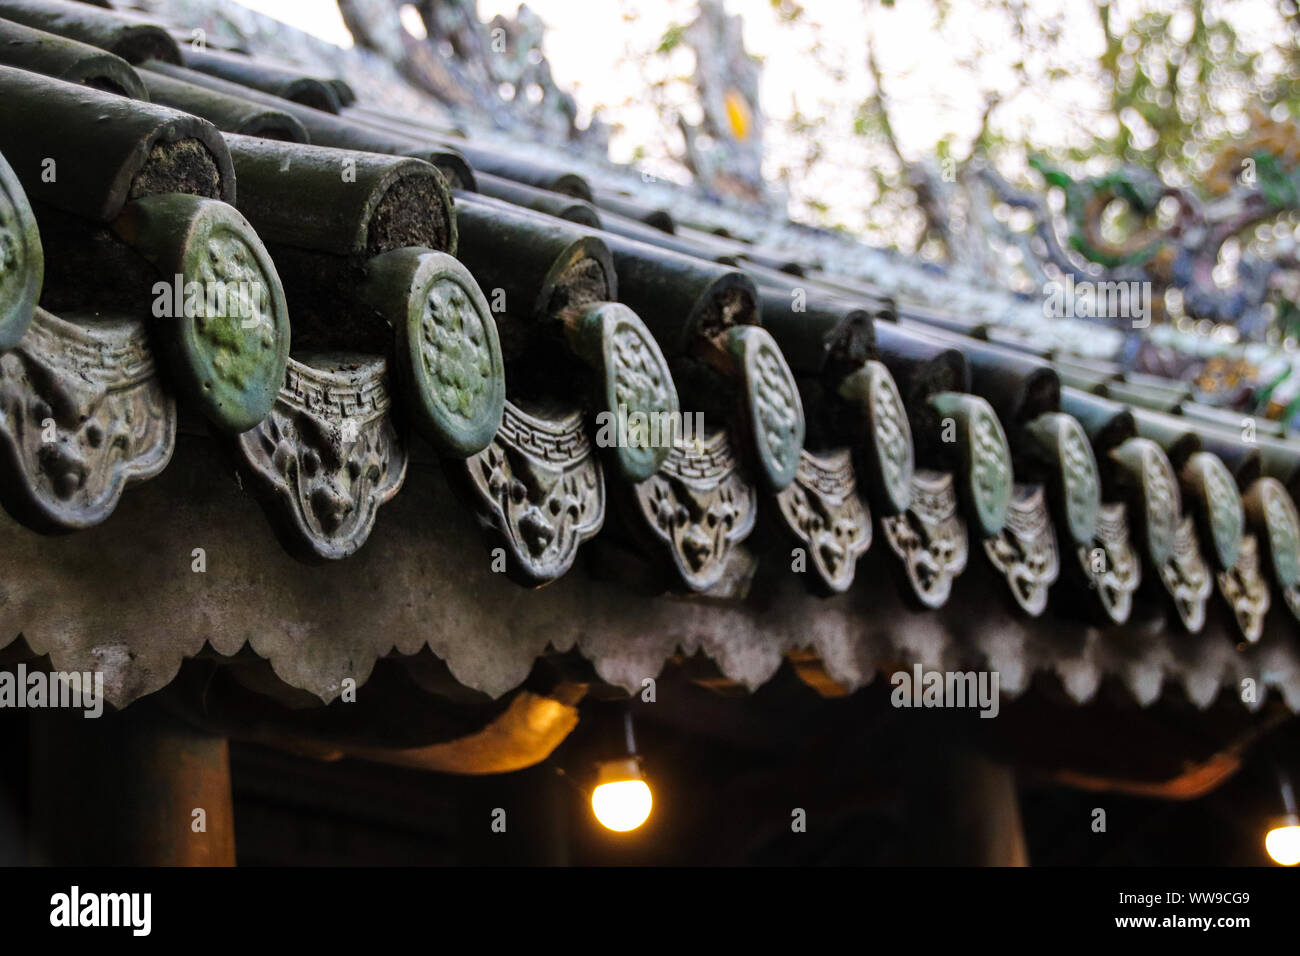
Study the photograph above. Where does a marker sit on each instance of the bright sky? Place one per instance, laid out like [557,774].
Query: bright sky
[596,52]
[586,41]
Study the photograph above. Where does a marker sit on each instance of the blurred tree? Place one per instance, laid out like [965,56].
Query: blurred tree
[1161,84]
[1172,81]
[493,72]
[901,116]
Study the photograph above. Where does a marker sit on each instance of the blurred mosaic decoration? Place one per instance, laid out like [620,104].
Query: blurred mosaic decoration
[725,152]
[495,69]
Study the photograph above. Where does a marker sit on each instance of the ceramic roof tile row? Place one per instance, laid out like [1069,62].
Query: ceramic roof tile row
[536,335]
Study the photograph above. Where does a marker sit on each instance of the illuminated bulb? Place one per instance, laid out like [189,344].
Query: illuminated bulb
[1283,841]
[622,799]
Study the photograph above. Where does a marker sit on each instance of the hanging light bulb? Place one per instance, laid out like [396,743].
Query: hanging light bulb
[1283,840]
[622,799]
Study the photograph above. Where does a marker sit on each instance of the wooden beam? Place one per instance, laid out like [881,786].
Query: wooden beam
[124,789]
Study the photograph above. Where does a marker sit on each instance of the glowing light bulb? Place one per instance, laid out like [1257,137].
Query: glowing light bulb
[1283,841]
[622,799]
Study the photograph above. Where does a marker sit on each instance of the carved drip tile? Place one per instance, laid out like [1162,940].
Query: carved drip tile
[636,385]
[1291,597]
[983,472]
[1163,507]
[1219,507]
[449,364]
[1152,477]
[1272,514]
[1110,564]
[773,410]
[1283,526]
[886,454]
[328,456]
[22,261]
[1187,577]
[539,488]
[1025,550]
[824,510]
[231,361]
[1074,482]
[1245,590]
[82,416]
[699,506]
[930,537]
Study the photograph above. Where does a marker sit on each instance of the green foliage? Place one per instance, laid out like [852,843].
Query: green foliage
[786,10]
[1172,84]
[1162,85]
[671,39]
[1278,184]
[867,120]
[1174,69]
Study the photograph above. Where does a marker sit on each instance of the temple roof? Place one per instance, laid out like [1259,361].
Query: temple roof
[500,404]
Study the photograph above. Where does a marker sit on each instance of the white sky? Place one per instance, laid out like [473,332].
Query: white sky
[585,41]
[595,46]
